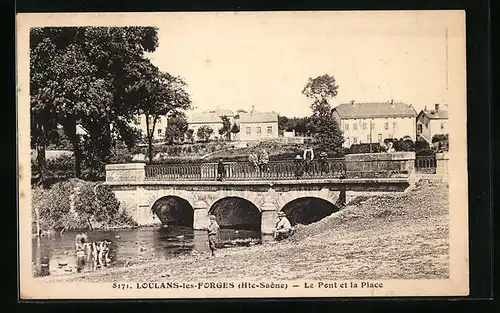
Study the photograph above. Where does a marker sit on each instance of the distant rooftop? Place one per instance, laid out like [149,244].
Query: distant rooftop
[437,113]
[258,117]
[375,109]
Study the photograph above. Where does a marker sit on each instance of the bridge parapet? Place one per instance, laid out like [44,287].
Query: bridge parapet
[368,165]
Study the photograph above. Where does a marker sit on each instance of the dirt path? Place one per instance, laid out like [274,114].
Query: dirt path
[386,237]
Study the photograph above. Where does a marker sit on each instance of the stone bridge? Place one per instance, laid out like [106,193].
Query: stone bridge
[186,194]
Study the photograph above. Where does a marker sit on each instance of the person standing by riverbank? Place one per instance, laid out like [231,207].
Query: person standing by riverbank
[213,229]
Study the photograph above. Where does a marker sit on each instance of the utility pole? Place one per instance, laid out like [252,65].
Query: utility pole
[370,136]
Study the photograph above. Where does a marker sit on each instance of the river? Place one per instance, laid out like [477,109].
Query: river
[55,255]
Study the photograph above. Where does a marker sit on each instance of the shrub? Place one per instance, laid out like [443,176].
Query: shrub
[100,209]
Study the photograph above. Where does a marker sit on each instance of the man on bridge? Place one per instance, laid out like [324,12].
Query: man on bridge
[283,227]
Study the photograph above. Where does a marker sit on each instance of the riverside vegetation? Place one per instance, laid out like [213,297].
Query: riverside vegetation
[402,236]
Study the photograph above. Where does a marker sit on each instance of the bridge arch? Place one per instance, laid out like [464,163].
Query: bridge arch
[173,211]
[236,213]
[308,209]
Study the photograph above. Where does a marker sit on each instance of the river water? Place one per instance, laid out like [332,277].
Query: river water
[55,255]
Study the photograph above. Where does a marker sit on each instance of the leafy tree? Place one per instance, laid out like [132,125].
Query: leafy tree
[81,76]
[157,94]
[320,89]
[189,134]
[177,127]
[324,128]
[225,130]
[204,132]
[235,129]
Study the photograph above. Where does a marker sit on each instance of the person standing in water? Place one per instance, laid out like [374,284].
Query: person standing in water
[81,240]
[213,229]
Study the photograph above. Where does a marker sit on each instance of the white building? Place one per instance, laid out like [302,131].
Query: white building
[373,122]
[432,122]
[257,125]
[161,125]
[212,119]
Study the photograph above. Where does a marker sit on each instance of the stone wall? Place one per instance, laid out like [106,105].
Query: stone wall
[367,165]
[442,161]
[130,172]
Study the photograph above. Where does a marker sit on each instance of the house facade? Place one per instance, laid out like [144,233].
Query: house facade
[373,122]
[257,125]
[161,125]
[432,122]
[212,119]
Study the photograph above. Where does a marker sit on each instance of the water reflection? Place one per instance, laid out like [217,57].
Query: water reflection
[55,255]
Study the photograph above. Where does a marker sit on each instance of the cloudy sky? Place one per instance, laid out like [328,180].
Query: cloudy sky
[236,60]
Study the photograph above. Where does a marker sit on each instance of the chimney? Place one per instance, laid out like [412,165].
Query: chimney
[436,107]
[392,102]
[352,102]
[253,108]
[425,107]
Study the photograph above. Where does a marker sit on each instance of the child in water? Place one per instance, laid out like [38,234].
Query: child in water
[81,240]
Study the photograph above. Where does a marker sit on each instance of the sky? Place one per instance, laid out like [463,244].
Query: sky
[236,60]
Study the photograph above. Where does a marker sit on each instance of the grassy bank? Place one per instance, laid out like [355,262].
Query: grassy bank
[385,237]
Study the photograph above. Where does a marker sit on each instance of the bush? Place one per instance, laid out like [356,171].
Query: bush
[100,209]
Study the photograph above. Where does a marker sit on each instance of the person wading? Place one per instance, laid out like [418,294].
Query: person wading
[283,227]
[213,229]
[81,240]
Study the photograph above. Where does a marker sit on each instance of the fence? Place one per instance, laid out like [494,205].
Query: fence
[425,164]
[274,170]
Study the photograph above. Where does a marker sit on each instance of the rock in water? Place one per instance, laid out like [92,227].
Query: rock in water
[117,237]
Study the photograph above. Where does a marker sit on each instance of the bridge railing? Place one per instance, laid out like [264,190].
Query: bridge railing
[274,170]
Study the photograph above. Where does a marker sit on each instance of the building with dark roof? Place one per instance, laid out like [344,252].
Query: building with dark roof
[373,122]
[432,122]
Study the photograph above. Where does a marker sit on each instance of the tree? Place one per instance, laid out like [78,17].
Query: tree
[324,128]
[204,132]
[177,127]
[235,129]
[320,89]
[189,134]
[157,94]
[81,76]
[225,130]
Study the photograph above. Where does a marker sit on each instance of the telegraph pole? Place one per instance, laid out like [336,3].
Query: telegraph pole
[370,136]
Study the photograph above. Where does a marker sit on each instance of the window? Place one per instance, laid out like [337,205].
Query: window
[269,129]
[355,126]
[159,120]
[379,137]
[386,126]
[159,131]
[346,126]
[394,125]
[364,125]
[442,126]
[139,120]
[372,125]
[390,135]
[354,140]
[259,130]
[419,128]
[248,130]
[348,141]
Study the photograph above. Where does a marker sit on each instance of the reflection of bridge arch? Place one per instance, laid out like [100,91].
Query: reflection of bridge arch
[307,210]
[173,210]
[236,212]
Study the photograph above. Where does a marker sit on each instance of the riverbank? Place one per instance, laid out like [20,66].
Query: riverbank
[402,236]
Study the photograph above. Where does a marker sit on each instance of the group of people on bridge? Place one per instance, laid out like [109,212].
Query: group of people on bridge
[302,163]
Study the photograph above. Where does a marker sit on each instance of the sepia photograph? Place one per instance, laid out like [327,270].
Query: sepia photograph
[242,154]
